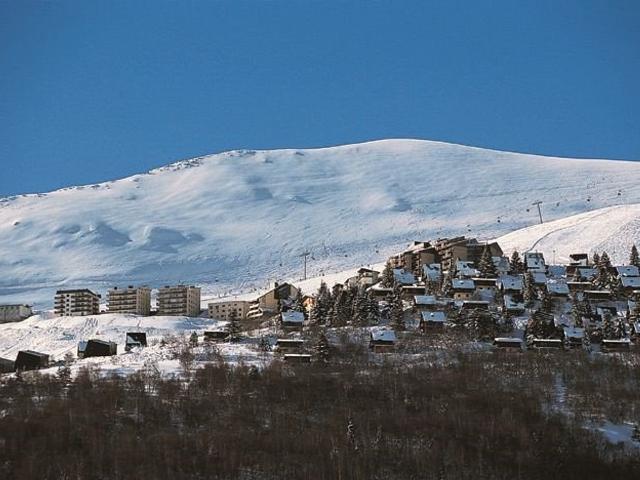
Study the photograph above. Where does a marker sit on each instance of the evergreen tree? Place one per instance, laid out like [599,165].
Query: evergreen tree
[483,325]
[397,310]
[341,311]
[609,328]
[387,280]
[322,349]
[298,304]
[373,310]
[322,305]
[516,265]
[634,258]
[546,302]
[605,261]
[529,292]
[360,312]
[234,327]
[193,339]
[264,344]
[486,266]
[596,258]
[446,289]
[578,313]
[603,278]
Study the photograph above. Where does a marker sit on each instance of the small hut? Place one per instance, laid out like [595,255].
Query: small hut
[30,360]
[135,339]
[97,348]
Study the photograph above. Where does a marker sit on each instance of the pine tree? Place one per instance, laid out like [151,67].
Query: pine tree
[516,264]
[603,278]
[264,344]
[486,266]
[596,259]
[529,292]
[397,310]
[322,305]
[446,289]
[234,327]
[387,280]
[634,258]
[193,339]
[373,310]
[298,304]
[609,330]
[322,349]
[483,325]
[605,261]
[360,308]
[341,311]
[578,312]
[546,302]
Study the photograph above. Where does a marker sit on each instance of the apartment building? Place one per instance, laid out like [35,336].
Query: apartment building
[223,310]
[179,300]
[14,313]
[134,300]
[72,303]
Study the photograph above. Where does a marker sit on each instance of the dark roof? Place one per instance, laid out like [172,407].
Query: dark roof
[31,352]
[77,290]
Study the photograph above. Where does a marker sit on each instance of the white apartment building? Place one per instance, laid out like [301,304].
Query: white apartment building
[72,303]
[14,313]
[179,300]
[134,300]
[223,310]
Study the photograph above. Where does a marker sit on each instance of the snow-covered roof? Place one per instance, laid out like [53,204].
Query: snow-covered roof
[557,271]
[403,277]
[382,334]
[425,300]
[617,340]
[463,284]
[511,303]
[292,316]
[539,278]
[82,346]
[434,316]
[587,272]
[507,340]
[574,332]
[628,271]
[534,261]
[630,282]
[511,282]
[432,271]
[466,268]
[557,287]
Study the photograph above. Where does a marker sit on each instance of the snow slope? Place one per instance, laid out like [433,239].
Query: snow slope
[235,220]
[611,229]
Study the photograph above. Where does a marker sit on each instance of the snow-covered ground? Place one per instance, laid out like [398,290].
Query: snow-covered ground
[234,221]
[611,229]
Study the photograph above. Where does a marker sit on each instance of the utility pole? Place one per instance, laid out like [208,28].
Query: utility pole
[537,204]
[305,255]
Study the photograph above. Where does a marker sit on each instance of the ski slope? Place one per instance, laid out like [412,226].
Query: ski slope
[234,221]
[611,229]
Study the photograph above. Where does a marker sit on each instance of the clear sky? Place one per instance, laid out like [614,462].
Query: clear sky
[96,90]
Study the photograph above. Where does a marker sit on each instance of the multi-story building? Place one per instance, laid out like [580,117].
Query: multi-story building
[179,300]
[135,300]
[14,313]
[224,310]
[72,303]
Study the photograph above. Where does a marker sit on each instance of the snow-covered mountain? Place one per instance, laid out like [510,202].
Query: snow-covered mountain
[235,220]
[611,229]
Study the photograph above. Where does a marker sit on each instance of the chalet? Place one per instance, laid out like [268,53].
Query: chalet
[547,343]
[97,348]
[618,345]
[403,277]
[579,287]
[463,288]
[30,360]
[7,366]
[432,272]
[534,262]
[510,283]
[574,336]
[539,279]
[602,311]
[425,303]
[14,313]
[508,344]
[292,319]
[410,291]
[282,294]
[379,292]
[135,339]
[468,305]
[382,340]
[216,336]
[597,295]
[485,285]
[558,288]
[514,303]
[289,345]
[297,358]
[430,321]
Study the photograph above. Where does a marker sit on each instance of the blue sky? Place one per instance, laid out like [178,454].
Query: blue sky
[91,91]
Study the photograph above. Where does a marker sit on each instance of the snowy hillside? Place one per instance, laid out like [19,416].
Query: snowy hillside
[235,220]
[612,229]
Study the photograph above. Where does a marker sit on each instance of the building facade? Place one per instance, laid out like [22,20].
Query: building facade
[134,300]
[224,310]
[14,313]
[73,303]
[179,300]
